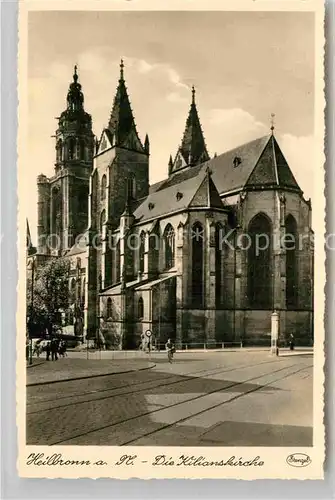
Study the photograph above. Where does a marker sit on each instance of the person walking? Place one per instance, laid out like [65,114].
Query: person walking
[170,350]
[48,350]
[54,350]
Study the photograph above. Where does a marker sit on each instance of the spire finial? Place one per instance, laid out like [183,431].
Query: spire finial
[75,76]
[121,69]
[193,94]
[272,122]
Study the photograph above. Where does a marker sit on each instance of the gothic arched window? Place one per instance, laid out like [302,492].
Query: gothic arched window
[71,148]
[109,308]
[78,149]
[140,308]
[103,188]
[102,220]
[141,251]
[291,241]
[169,246]
[197,265]
[260,263]
[59,150]
[218,263]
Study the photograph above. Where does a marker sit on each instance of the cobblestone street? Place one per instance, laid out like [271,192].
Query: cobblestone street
[201,399]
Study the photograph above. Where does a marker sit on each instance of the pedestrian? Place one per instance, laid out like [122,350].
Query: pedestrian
[54,350]
[170,350]
[62,348]
[291,342]
[48,350]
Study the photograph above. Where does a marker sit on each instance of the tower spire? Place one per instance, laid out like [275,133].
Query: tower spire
[75,75]
[193,150]
[121,122]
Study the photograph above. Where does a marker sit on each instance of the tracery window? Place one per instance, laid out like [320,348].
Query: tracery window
[142,251]
[218,263]
[260,280]
[291,242]
[197,265]
[169,246]
[103,188]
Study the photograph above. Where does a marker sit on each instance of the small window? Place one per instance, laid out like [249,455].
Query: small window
[109,307]
[151,206]
[179,196]
[140,308]
[237,161]
[103,187]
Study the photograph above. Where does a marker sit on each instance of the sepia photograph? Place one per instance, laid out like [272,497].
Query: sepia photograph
[170,174]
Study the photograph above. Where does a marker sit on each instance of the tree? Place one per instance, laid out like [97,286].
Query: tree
[48,295]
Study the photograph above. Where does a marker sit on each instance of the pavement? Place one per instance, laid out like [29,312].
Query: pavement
[203,399]
[43,372]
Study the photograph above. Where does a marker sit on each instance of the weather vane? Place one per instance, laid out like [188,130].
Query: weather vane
[272,122]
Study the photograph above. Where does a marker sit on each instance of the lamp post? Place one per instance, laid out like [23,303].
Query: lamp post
[31,309]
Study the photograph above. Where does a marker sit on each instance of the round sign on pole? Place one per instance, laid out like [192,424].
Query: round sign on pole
[148,333]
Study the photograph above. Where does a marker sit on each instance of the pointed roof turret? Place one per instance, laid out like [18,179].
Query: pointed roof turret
[193,150]
[121,122]
[272,168]
[147,143]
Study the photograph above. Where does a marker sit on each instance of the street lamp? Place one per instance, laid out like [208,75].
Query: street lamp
[31,311]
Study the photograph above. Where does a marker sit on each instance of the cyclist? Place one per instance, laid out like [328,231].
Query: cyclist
[170,350]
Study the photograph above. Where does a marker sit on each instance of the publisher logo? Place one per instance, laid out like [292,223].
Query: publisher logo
[298,460]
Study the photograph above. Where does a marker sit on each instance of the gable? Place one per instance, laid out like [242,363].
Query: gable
[179,162]
[105,142]
[206,195]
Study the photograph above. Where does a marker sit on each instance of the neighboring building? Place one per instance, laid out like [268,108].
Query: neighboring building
[173,257]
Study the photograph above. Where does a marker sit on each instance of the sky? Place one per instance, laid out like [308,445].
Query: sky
[244,66]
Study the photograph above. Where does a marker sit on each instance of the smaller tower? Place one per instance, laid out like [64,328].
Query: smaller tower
[170,165]
[193,150]
[69,187]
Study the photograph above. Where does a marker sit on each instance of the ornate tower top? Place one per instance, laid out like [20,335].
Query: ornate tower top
[193,149]
[75,97]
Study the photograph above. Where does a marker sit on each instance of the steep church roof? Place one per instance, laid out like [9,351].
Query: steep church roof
[121,122]
[256,163]
[192,150]
[196,192]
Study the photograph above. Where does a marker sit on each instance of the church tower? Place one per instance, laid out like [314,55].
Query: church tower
[63,199]
[120,175]
[193,150]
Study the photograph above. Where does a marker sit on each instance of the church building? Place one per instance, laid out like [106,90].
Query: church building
[203,257]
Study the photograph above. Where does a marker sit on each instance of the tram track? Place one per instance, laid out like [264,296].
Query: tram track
[217,405]
[221,389]
[183,378]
